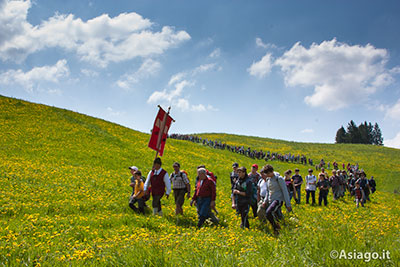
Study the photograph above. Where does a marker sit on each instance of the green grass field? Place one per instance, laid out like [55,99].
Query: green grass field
[64,186]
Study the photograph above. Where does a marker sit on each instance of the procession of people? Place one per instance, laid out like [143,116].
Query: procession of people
[264,192]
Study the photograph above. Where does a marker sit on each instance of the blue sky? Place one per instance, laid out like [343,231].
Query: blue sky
[292,70]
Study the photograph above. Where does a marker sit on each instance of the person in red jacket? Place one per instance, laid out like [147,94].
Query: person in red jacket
[204,195]
[158,180]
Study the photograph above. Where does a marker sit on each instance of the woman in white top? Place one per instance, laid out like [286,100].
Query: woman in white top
[261,193]
[311,181]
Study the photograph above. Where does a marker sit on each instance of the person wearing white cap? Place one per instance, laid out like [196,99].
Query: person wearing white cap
[133,170]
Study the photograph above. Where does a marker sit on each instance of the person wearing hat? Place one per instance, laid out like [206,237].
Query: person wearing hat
[138,194]
[254,177]
[311,182]
[242,191]
[181,186]
[133,170]
[159,182]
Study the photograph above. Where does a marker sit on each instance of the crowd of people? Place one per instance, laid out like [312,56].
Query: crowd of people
[260,154]
[263,191]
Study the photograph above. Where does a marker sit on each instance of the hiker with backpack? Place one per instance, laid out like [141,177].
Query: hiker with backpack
[159,183]
[276,194]
[254,177]
[181,186]
[242,191]
[204,196]
[213,211]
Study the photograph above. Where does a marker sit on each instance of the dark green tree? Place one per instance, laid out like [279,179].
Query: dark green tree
[341,136]
[377,135]
[365,133]
[365,130]
[353,133]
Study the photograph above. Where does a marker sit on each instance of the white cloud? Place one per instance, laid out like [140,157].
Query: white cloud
[13,19]
[183,104]
[204,68]
[171,95]
[36,75]
[89,73]
[216,53]
[260,43]
[176,78]
[199,108]
[100,40]
[261,68]
[192,73]
[340,73]
[394,112]
[307,131]
[202,108]
[175,96]
[395,142]
[148,68]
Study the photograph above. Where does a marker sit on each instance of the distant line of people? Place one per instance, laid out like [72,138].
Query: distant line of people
[264,192]
[267,156]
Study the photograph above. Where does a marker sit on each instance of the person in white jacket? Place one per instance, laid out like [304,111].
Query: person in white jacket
[276,194]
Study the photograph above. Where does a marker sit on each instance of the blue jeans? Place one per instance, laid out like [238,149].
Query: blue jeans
[203,205]
[298,190]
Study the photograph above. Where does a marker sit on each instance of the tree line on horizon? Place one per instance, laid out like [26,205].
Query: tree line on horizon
[365,133]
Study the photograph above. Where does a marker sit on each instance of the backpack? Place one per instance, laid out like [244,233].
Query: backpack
[181,176]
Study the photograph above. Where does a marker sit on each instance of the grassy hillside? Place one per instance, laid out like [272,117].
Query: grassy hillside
[381,162]
[64,187]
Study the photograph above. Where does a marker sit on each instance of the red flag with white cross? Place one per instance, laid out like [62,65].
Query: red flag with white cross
[159,133]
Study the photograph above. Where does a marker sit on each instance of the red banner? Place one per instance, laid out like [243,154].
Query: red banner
[160,131]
